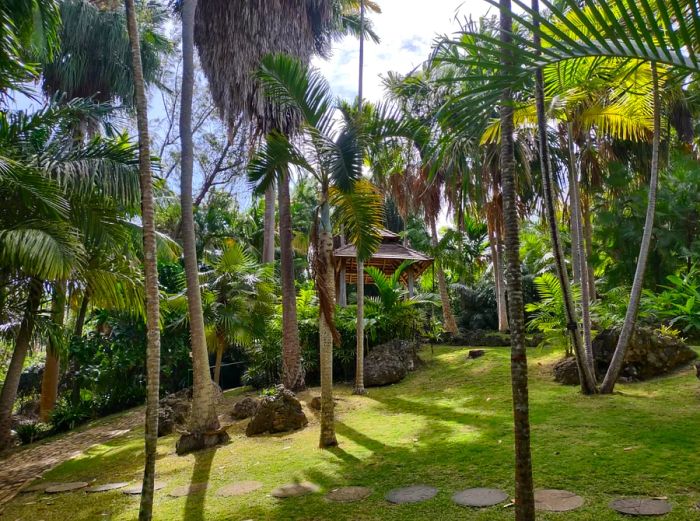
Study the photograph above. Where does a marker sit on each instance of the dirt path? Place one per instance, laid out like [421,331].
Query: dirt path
[25,465]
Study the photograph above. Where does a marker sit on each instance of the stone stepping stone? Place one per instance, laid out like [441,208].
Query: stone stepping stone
[39,487]
[239,488]
[66,487]
[641,506]
[552,500]
[106,487]
[348,494]
[295,490]
[188,490]
[479,497]
[412,494]
[135,490]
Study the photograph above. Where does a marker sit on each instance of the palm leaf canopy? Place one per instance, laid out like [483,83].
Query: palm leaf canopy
[577,37]
[94,53]
[232,37]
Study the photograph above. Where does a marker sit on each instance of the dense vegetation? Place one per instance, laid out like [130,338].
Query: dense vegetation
[546,162]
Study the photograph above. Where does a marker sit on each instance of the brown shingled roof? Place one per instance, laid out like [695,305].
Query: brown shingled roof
[388,258]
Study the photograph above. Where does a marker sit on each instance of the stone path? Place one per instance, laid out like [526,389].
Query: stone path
[23,466]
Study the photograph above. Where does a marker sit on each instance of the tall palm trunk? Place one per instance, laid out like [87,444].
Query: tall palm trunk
[217,364]
[360,315]
[580,254]
[150,270]
[586,378]
[292,371]
[19,354]
[49,380]
[447,315]
[203,417]
[78,333]
[524,495]
[636,293]
[325,333]
[501,310]
[269,226]
[360,331]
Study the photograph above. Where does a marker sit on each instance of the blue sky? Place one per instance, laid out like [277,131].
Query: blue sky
[407,29]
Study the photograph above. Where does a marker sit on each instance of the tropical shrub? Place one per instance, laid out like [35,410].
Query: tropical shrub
[679,304]
[547,315]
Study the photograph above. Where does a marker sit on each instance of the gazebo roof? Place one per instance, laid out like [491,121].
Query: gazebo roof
[388,257]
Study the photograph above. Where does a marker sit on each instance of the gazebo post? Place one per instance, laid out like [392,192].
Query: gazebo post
[410,283]
[342,287]
[360,331]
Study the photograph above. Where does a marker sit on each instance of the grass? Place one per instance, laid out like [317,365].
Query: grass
[447,425]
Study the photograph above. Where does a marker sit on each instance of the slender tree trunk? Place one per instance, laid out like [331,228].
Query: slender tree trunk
[636,293]
[217,364]
[360,331]
[575,231]
[447,315]
[150,270]
[292,370]
[497,259]
[588,384]
[524,494]
[588,241]
[579,252]
[78,333]
[49,380]
[325,249]
[269,226]
[14,371]
[203,417]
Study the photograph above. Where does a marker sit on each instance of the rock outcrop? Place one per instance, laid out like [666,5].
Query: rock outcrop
[649,354]
[390,363]
[279,412]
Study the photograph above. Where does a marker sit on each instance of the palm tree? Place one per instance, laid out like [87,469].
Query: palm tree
[335,161]
[64,202]
[524,495]
[239,296]
[204,417]
[665,34]
[232,37]
[150,268]
[28,33]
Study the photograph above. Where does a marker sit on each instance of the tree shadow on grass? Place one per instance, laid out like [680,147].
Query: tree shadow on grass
[195,504]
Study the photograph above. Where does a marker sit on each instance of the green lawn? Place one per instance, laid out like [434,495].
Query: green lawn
[448,425]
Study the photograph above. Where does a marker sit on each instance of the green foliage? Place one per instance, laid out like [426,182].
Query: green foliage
[679,304]
[548,315]
[67,415]
[29,432]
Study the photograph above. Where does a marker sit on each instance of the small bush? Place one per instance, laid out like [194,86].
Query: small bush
[67,416]
[30,431]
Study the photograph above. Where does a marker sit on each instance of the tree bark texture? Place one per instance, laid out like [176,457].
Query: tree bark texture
[448,317]
[19,354]
[269,226]
[49,380]
[325,249]
[524,494]
[633,309]
[150,265]
[292,370]
[360,331]
[203,417]
[586,377]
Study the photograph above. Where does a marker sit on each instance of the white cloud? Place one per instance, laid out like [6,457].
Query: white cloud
[407,29]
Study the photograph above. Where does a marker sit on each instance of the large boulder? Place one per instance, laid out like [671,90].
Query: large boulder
[30,380]
[566,371]
[390,363]
[174,411]
[279,412]
[649,354]
[245,408]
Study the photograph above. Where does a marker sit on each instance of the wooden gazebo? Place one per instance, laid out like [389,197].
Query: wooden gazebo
[389,256]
